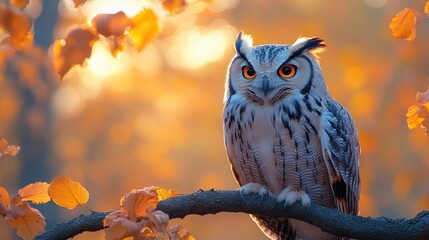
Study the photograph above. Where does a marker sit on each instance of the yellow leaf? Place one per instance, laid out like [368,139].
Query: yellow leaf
[138,203]
[165,193]
[403,25]
[144,28]
[30,224]
[67,193]
[73,50]
[35,193]
[19,3]
[427,7]
[173,6]
[413,118]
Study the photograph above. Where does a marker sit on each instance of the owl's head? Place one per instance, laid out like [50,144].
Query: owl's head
[270,73]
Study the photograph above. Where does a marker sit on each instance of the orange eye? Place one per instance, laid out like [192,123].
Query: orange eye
[248,72]
[287,71]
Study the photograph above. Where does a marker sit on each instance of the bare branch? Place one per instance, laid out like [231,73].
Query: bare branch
[213,202]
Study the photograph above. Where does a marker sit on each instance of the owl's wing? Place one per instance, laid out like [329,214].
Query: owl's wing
[340,144]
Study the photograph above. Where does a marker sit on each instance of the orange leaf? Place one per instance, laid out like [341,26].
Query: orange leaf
[7,150]
[4,201]
[165,193]
[111,24]
[144,28]
[427,7]
[403,25]
[35,193]
[138,203]
[158,221]
[19,3]
[73,50]
[16,23]
[30,224]
[181,233]
[67,193]
[78,3]
[118,226]
[173,6]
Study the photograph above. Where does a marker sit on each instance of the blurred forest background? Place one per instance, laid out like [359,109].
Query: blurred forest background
[154,117]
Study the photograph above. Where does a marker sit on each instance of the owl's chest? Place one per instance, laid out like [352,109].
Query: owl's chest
[274,145]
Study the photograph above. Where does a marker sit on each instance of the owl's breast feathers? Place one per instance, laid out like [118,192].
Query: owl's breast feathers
[278,145]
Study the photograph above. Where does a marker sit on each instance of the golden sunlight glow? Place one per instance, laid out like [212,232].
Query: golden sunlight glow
[66,101]
[103,64]
[222,5]
[129,7]
[198,46]
[148,60]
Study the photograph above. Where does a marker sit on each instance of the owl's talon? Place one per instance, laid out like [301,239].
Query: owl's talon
[254,188]
[290,196]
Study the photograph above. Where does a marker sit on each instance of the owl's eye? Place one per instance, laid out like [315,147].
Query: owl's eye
[248,72]
[287,71]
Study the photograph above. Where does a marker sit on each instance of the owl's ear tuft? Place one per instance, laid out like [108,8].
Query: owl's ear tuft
[315,45]
[243,44]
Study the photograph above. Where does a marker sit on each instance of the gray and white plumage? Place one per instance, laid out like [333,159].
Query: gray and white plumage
[286,136]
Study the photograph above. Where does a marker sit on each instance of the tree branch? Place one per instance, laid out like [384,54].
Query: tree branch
[213,202]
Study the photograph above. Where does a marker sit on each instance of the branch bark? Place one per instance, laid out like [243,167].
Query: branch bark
[213,202]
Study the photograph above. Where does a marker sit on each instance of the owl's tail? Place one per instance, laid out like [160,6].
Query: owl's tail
[275,228]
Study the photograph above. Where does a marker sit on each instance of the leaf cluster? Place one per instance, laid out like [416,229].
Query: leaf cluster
[404,25]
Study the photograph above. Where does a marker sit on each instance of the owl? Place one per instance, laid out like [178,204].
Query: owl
[286,137]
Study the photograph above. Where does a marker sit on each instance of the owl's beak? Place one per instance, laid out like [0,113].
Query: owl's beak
[265,86]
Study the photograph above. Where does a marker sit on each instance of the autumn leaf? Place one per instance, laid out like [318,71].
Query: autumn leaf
[29,223]
[111,24]
[173,6]
[158,221]
[17,24]
[7,150]
[73,50]
[403,25]
[4,201]
[144,28]
[181,233]
[163,193]
[35,193]
[119,226]
[19,3]
[138,203]
[414,117]
[67,193]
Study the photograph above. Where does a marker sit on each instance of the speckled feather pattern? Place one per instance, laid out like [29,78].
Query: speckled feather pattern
[295,136]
